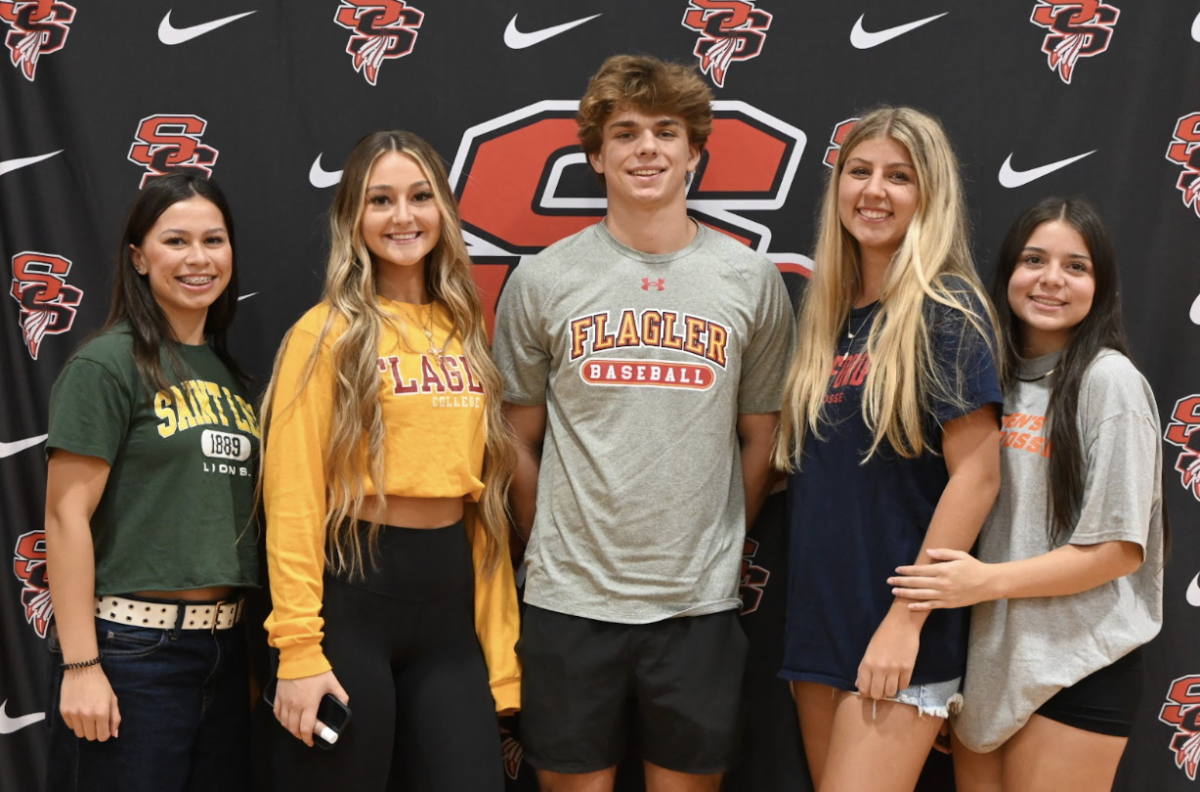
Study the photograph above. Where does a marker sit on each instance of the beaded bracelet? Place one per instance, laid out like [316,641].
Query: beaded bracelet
[82,664]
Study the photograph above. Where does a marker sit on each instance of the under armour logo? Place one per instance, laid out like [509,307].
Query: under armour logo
[647,284]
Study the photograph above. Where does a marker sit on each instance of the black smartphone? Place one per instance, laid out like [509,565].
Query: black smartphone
[331,712]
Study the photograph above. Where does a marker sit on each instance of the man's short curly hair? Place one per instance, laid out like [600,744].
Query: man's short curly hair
[650,85]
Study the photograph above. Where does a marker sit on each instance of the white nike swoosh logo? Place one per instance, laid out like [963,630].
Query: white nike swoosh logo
[1193,592]
[13,164]
[1196,28]
[863,39]
[321,178]
[169,34]
[246,296]
[515,39]
[9,725]
[1013,178]
[17,446]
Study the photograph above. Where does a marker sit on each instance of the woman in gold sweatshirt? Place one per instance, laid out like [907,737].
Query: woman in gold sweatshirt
[386,469]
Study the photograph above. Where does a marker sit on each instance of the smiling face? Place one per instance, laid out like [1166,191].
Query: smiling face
[877,196]
[645,159]
[1051,288]
[187,258]
[401,222]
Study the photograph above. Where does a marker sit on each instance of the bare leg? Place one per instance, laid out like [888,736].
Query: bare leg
[1048,756]
[815,707]
[881,746]
[977,772]
[660,779]
[599,781]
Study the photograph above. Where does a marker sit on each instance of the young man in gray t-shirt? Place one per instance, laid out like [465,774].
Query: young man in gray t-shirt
[644,360]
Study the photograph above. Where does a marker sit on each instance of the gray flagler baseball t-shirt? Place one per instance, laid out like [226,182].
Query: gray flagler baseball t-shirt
[644,362]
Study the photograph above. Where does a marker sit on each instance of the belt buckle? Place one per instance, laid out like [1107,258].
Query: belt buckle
[216,617]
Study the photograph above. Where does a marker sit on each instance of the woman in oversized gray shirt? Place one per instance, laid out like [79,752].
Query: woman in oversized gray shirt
[1068,582]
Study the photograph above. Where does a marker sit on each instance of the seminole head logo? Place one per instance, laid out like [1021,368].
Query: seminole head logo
[730,30]
[1077,29]
[380,30]
[29,566]
[48,303]
[38,28]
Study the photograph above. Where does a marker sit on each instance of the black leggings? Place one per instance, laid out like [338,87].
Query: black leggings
[402,643]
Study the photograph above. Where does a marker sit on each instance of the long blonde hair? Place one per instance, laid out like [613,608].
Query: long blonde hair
[933,263]
[350,291]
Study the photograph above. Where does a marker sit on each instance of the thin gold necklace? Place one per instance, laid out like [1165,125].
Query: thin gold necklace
[850,336]
[438,352]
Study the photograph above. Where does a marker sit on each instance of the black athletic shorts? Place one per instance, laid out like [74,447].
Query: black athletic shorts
[587,684]
[1104,702]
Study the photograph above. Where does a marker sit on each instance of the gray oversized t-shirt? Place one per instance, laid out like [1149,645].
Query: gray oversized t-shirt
[1023,651]
[644,362]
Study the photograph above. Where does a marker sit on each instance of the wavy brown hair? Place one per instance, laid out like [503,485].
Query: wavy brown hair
[357,421]
[651,85]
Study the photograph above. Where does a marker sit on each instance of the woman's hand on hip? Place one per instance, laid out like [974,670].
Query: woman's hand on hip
[296,702]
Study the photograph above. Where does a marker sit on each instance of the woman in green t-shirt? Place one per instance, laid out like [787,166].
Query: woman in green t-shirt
[153,449]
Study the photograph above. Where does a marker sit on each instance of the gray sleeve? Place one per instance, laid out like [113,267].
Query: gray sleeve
[1121,453]
[519,346]
[768,352]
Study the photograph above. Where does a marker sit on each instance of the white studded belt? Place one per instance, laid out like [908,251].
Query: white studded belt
[165,615]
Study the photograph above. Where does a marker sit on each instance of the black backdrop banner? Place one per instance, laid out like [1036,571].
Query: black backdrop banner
[268,97]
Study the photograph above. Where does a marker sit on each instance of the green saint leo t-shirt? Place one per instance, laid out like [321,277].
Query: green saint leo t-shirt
[177,510]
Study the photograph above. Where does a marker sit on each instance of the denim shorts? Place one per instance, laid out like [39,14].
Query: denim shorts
[939,699]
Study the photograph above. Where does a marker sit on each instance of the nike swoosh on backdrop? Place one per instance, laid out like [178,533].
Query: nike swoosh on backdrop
[1013,178]
[515,39]
[1196,28]
[321,178]
[863,39]
[1193,592]
[13,164]
[168,34]
[246,296]
[17,446]
[9,725]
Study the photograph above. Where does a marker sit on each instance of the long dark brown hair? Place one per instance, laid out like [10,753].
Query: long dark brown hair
[1102,328]
[133,301]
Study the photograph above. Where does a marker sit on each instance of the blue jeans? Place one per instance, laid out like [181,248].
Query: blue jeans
[184,699]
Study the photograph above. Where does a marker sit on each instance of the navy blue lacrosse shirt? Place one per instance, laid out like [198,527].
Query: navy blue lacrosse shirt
[852,524]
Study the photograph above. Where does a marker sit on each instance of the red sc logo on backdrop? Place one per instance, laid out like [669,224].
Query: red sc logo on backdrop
[511,177]
[48,302]
[1184,150]
[29,566]
[39,27]
[170,143]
